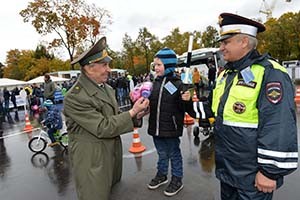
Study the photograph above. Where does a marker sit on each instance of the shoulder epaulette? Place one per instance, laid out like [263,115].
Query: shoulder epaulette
[76,89]
[264,60]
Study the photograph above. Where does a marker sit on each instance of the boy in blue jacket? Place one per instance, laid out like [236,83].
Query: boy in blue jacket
[53,121]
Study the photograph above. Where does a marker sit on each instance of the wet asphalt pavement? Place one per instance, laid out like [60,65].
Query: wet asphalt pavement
[47,176]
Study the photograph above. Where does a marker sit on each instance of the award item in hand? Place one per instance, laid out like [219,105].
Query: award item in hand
[141,90]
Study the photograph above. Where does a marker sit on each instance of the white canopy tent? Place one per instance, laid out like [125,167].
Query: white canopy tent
[7,82]
[40,79]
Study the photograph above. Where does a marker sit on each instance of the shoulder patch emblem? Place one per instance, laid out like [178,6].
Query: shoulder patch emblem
[239,107]
[274,92]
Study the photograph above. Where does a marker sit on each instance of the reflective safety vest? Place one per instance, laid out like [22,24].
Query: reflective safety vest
[29,89]
[240,109]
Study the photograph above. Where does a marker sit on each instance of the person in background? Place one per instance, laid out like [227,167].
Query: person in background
[13,99]
[94,126]
[196,81]
[121,89]
[65,85]
[211,74]
[168,104]
[6,96]
[37,93]
[2,114]
[255,118]
[49,88]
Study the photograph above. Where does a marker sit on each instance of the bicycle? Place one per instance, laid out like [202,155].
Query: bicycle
[39,142]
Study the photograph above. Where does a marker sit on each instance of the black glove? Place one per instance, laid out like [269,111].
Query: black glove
[137,123]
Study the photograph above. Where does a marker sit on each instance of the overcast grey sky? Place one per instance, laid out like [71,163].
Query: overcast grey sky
[159,16]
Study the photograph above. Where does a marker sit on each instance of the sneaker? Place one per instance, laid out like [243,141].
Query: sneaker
[53,144]
[174,187]
[157,181]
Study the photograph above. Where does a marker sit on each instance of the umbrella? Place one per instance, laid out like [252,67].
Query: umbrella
[40,79]
[6,82]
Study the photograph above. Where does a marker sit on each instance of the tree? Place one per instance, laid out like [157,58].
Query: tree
[175,41]
[209,37]
[43,65]
[28,64]
[179,42]
[18,63]
[128,52]
[282,37]
[143,44]
[74,22]
[41,52]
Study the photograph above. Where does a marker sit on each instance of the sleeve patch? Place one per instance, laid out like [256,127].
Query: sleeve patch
[274,92]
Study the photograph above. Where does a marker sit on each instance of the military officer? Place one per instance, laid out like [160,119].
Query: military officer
[94,126]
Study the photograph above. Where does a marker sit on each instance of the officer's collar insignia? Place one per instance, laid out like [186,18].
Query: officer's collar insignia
[251,84]
[274,92]
[76,89]
[239,107]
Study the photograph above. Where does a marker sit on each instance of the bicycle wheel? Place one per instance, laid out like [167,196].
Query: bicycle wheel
[40,160]
[196,131]
[64,140]
[37,144]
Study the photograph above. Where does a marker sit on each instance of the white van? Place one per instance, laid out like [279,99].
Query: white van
[66,74]
[293,68]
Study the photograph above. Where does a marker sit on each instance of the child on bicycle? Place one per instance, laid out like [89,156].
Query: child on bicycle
[53,121]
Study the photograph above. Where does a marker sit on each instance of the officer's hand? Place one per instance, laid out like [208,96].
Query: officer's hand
[140,105]
[186,96]
[143,113]
[264,184]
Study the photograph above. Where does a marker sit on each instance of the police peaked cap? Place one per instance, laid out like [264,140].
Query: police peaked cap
[96,53]
[231,24]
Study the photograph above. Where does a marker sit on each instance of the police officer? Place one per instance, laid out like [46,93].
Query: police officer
[255,127]
[94,126]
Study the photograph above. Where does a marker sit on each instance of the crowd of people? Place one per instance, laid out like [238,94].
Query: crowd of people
[36,95]
[123,83]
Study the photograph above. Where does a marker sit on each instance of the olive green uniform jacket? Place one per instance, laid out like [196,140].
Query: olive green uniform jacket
[49,89]
[94,128]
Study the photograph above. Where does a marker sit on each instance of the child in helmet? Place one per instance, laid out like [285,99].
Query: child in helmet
[53,120]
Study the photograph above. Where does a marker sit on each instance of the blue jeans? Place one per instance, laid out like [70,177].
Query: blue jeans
[51,132]
[121,97]
[168,149]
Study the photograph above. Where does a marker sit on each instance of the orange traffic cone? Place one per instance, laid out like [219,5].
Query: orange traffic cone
[136,146]
[195,98]
[28,128]
[188,120]
[297,96]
